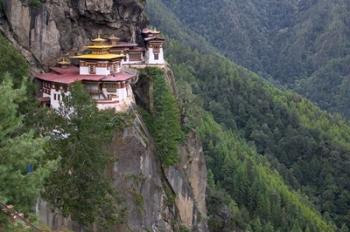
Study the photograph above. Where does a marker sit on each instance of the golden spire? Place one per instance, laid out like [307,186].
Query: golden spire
[64,61]
[99,39]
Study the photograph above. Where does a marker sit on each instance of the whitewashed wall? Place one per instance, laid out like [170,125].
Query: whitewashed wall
[150,57]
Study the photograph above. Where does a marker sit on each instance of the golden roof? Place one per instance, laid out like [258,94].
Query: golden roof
[99,46]
[107,56]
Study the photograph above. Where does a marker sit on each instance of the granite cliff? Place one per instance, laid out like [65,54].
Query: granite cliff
[45,32]
[157,198]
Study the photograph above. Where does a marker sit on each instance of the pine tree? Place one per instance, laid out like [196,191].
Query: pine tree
[21,153]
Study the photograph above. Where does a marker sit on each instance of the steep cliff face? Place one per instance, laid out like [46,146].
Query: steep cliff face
[188,181]
[44,33]
[158,199]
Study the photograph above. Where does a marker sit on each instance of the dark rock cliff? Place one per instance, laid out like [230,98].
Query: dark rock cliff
[156,199]
[66,25]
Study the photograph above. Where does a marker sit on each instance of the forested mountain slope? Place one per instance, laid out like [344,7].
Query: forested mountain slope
[308,147]
[284,40]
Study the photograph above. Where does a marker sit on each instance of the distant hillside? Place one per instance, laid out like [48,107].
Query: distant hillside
[286,41]
[309,148]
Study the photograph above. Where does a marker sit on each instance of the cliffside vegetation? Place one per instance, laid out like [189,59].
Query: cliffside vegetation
[164,119]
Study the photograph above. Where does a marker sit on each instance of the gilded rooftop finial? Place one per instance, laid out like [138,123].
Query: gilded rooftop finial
[64,61]
[99,39]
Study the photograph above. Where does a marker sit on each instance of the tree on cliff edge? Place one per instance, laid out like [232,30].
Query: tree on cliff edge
[80,187]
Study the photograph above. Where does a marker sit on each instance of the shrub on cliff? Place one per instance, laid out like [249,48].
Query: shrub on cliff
[164,121]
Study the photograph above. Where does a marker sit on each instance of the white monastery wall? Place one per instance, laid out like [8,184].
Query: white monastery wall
[102,71]
[150,57]
[84,70]
[56,98]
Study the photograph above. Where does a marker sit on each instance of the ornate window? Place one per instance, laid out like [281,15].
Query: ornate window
[135,56]
[92,69]
[115,68]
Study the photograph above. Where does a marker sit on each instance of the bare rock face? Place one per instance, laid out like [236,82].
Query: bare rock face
[138,177]
[189,182]
[149,189]
[57,27]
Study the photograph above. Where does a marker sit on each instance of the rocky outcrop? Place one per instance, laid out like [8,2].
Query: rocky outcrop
[65,25]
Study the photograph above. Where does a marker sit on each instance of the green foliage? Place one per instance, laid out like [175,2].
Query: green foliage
[172,27]
[245,189]
[35,3]
[220,203]
[249,180]
[164,121]
[309,148]
[184,229]
[138,199]
[80,187]
[332,82]
[19,148]
[12,62]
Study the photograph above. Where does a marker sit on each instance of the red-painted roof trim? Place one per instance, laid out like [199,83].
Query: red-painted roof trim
[71,75]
